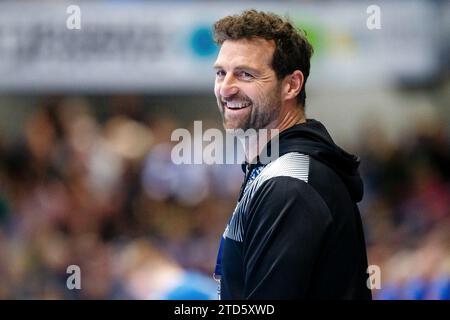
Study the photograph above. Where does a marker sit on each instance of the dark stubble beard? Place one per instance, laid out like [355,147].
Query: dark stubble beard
[263,112]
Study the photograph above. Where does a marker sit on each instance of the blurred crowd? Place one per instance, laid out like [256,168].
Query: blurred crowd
[97,189]
[406,210]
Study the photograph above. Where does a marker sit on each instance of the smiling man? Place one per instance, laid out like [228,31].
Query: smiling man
[296,231]
[256,103]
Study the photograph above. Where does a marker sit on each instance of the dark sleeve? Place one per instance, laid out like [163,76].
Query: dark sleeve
[284,229]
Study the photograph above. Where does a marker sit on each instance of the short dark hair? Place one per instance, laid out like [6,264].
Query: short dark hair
[292,51]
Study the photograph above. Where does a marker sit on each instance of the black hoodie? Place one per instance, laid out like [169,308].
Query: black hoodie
[296,232]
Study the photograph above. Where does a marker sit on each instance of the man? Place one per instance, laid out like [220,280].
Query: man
[296,231]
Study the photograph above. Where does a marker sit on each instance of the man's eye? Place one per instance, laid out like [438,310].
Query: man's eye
[246,75]
[220,73]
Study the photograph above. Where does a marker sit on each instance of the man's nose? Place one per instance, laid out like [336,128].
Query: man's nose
[228,87]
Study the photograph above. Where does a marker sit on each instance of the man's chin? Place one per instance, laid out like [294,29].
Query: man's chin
[235,123]
[232,127]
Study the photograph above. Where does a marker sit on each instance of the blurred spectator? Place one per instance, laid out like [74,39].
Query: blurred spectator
[96,187]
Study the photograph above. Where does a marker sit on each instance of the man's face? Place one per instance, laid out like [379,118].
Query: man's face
[247,90]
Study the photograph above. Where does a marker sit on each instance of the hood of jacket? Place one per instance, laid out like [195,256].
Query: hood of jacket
[313,139]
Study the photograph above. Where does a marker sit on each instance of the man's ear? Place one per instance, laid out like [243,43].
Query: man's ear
[292,85]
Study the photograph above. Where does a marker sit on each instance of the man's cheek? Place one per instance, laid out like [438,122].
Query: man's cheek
[216,90]
[221,108]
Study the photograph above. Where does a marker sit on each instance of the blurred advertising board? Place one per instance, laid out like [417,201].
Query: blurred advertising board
[159,47]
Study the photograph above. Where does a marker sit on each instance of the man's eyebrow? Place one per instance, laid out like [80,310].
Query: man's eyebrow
[240,67]
[245,67]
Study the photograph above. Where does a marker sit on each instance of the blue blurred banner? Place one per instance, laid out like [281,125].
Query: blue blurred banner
[168,47]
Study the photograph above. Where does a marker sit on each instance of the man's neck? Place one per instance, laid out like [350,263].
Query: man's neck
[287,120]
[290,118]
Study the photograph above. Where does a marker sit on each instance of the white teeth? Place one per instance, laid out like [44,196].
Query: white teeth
[237,105]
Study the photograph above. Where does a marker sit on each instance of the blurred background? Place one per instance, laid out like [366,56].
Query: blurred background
[86,118]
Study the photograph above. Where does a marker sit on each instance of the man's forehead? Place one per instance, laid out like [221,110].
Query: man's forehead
[255,52]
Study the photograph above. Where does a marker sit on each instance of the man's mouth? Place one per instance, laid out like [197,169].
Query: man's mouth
[233,105]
